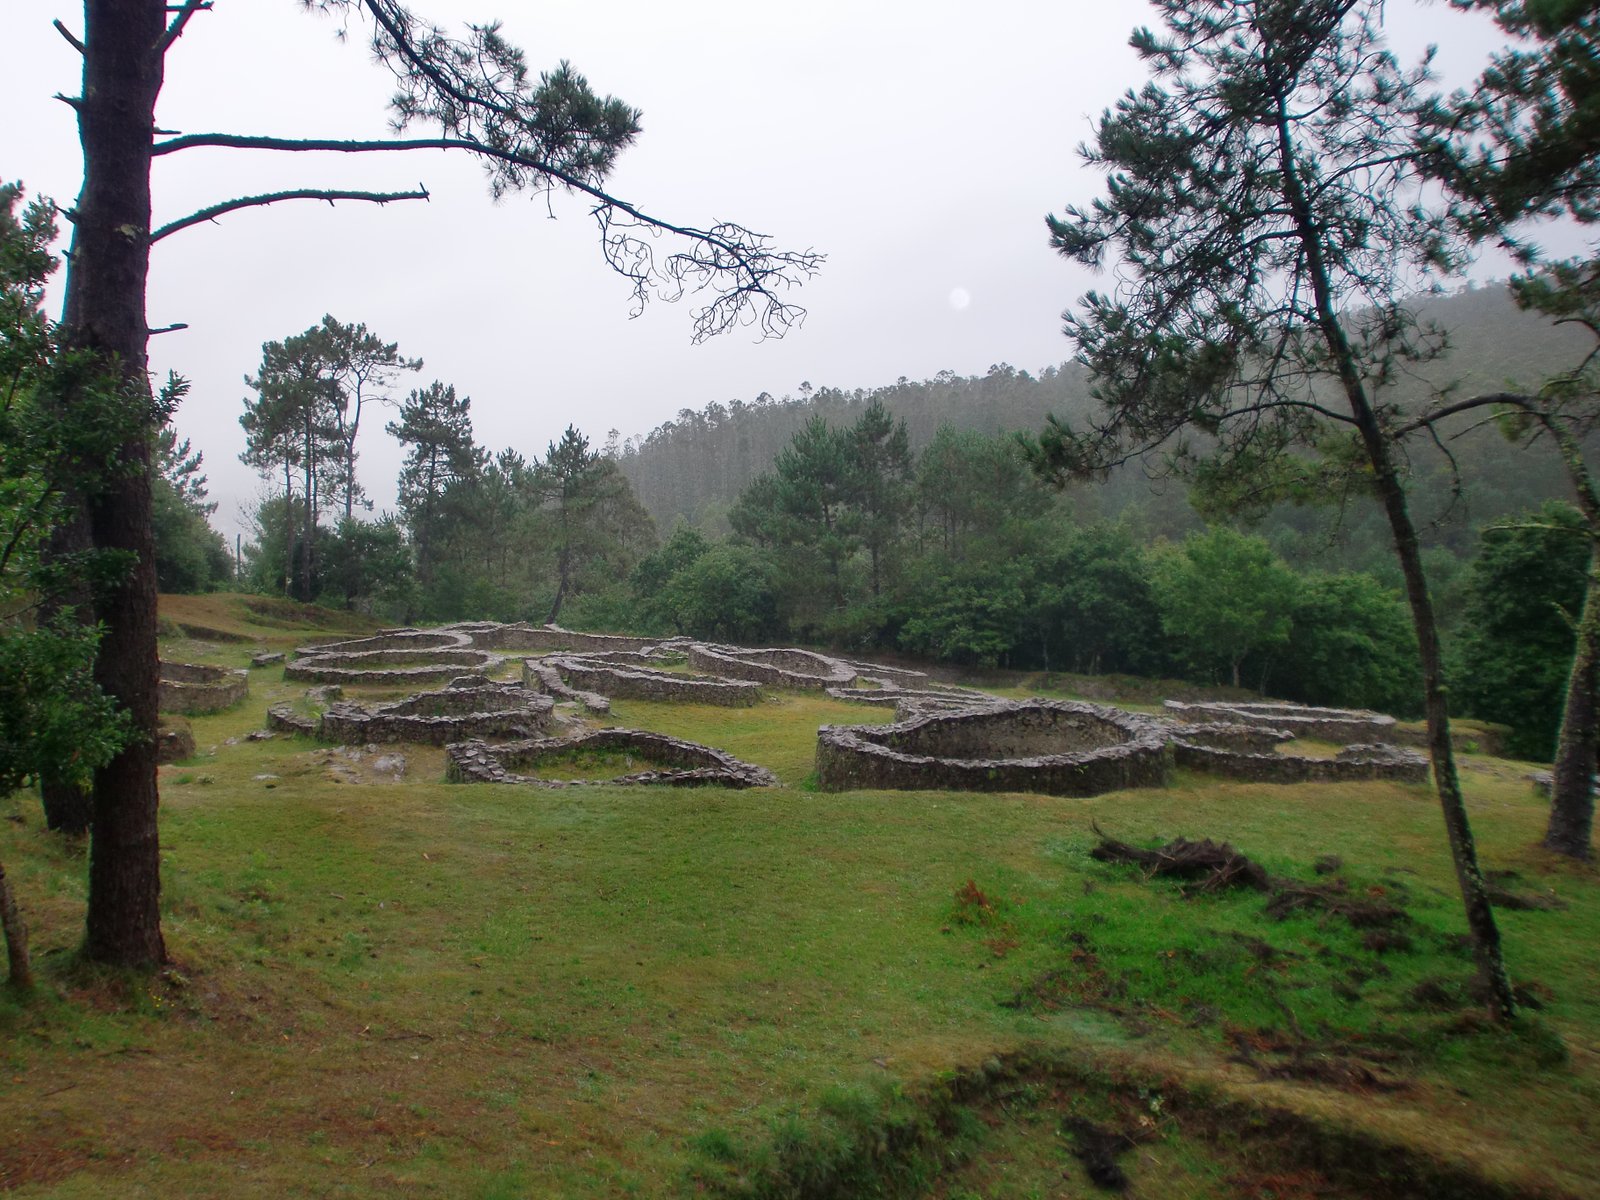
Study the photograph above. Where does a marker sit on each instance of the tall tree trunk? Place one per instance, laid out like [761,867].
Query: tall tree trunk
[18,962]
[288,528]
[1495,983]
[1571,826]
[308,524]
[105,314]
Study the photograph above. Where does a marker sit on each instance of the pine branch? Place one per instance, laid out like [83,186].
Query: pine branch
[217,210]
[175,30]
[724,250]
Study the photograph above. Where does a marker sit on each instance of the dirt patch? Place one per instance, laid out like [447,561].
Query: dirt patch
[1273,1054]
[1370,911]
[1213,865]
[1503,893]
[1098,1149]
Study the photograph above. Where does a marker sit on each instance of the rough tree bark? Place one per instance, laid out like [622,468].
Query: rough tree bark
[16,935]
[1571,826]
[105,313]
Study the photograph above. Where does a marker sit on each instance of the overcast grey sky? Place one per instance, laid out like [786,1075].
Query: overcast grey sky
[918,144]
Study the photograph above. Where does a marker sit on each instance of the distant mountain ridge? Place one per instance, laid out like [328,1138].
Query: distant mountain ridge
[694,466]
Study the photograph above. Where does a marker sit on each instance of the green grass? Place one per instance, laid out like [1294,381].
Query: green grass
[450,990]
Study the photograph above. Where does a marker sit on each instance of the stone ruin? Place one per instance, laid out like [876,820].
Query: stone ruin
[1066,748]
[393,657]
[469,708]
[539,676]
[672,762]
[1340,725]
[190,689]
[944,736]
[801,669]
[591,668]
[1059,747]
[1249,752]
[623,675]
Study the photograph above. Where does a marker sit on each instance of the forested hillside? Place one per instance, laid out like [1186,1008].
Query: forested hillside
[694,466]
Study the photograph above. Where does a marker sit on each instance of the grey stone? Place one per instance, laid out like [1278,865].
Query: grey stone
[193,688]
[679,763]
[1057,747]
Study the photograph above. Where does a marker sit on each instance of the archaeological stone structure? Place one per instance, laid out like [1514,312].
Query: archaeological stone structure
[1071,749]
[1250,753]
[1339,725]
[392,667]
[623,675]
[669,761]
[1058,747]
[803,669]
[475,709]
[943,736]
[193,688]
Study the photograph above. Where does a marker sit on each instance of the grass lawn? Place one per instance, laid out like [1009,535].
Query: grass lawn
[402,986]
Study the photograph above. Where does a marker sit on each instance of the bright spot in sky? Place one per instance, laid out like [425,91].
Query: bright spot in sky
[960,298]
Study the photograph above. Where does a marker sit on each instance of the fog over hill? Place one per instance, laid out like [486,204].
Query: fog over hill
[694,466]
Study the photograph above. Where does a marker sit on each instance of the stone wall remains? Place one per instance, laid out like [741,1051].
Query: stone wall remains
[1101,750]
[433,718]
[539,676]
[790,668]
[1353,763]
[680,763]
[611,676]
[525,637]
[392,639]
[1338,725]
[193,688]
[378,666]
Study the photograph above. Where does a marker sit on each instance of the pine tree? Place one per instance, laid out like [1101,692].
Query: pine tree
[1259,209]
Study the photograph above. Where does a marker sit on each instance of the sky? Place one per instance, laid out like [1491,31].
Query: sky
[917,143]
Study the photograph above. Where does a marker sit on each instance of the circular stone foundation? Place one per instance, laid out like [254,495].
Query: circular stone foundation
[393,639]
[1055,747]
[672,762]
[194,688]
[779,667]
[392,666]
[1339,725]
[631,677]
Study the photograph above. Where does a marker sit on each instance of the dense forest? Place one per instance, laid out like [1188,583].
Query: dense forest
[694,466]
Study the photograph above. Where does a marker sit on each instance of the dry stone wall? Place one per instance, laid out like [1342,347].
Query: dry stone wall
[620,679]
[790,668]
[386,667]
[434,718]
[193,688]
[1052,746]
[539,676]
[1070,749]
[1339,725]
[1246,753]
[524,637]
[676,763]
